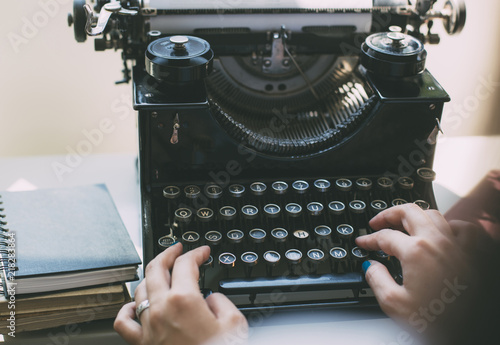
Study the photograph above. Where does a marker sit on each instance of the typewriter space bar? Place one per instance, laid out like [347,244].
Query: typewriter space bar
[351,280]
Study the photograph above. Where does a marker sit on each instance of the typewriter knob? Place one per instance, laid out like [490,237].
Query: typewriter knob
[78,20]
[393,54]
[179,59]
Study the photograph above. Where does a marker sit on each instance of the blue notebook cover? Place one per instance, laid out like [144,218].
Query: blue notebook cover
[66,238]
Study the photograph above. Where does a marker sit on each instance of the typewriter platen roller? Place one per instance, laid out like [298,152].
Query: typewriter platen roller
[273,132]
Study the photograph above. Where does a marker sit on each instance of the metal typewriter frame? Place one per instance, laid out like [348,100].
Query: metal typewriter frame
[421,104]
[182,143]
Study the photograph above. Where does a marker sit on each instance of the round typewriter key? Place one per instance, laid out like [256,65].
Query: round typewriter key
[190,237]
[343,184]
[359,253]
[293,209]
[378,205]
[399,201]
[385,183]
[257,235]
[426,174]
[322,185]
[345,231]
[357,206]
[249,211]
[323,231]
[183,214]
[424,205]
[314,208]
[300,186]
[227,259]
[336,207]
[249,258]
[271,258]
[323,235]
[167,241]
[294,256]
[300,234]
[338,253]
[171,192]
[381,255]
[272,210]
[205,214]
[316,255]
[236,190]
[192,192]
[235,236]
[279,235]
[227,212]
[364,183]
[213,191]
[208,263]
[405,182]
[279,187]
[258,188]
[213,237]
[300,238]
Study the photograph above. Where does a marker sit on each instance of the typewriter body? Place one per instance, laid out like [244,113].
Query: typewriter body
[273,132]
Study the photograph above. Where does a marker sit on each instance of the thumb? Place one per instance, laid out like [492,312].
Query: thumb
[224,309]
[388,293]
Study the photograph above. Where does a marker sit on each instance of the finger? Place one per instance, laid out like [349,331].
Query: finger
[407,217]
[225,311]
[140,293]
[158,270]
[388,293]
[186,269]
[437,218]
[220,305]
[125,325]
[391,242]
[467,235]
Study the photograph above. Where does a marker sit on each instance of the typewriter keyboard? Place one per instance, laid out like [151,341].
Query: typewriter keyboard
[291,236]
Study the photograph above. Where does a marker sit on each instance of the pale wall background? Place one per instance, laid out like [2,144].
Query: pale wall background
[54,89]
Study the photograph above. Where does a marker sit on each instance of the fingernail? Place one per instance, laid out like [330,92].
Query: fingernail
[365,266]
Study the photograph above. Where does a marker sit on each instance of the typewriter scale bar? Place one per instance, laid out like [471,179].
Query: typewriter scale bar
[287,236]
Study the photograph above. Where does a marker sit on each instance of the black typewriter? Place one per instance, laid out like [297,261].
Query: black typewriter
[274,133]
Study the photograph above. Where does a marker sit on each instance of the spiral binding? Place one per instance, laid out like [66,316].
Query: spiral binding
[3,250]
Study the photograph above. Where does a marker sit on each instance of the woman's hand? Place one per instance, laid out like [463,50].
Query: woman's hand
[435,260]
[177,313]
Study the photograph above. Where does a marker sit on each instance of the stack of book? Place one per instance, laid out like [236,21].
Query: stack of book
[65,255]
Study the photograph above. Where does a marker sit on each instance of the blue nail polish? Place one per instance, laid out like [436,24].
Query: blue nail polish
[365,266]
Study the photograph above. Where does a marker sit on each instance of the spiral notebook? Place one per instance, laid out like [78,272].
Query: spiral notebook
[65,238]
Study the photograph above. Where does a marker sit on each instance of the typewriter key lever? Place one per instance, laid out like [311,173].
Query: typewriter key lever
[175,132]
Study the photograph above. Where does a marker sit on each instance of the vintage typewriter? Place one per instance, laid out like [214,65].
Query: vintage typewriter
[274,130]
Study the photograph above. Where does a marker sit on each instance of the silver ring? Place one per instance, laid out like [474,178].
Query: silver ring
[141,307]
